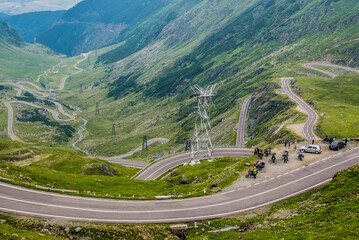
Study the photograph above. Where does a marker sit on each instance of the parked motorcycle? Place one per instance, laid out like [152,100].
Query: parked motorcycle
[300,156]
[259,165]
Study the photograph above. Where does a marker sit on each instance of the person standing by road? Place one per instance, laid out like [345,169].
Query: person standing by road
[295,145]
[346,141]
[288,144]
[285,143]
[313,140]
[255,171]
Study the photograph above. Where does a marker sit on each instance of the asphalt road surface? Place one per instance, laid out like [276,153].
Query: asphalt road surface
[28,202]
[241,127]
[312,115]
[158,168]
[332,75]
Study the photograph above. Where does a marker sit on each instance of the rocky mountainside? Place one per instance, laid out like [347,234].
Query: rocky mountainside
[9,35]
[30,25]
[95,23]
[3,15]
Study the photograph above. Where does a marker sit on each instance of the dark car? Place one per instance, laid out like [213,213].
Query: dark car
[336,145]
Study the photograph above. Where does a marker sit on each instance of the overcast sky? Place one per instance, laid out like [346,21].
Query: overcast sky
[21,6]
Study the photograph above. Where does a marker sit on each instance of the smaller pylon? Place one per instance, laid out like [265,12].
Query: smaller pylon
[69,78]
[144,143]
[52,93]
[81,88]
[97,112]
[114,130]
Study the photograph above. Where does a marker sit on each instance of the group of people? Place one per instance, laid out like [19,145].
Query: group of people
[288,143]
[332,139]
[261,152]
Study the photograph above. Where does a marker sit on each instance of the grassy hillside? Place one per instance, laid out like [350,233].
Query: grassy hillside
[19,60]
[336,102]
[64,168]
[245,51]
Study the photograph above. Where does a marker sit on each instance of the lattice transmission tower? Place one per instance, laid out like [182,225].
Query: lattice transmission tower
[201,144]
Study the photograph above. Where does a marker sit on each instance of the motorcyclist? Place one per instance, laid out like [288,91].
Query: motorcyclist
[266,152]
[255,171]
[273,157]
[300,156]
[285,156]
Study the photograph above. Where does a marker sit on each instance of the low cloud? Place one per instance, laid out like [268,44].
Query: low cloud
[21,6]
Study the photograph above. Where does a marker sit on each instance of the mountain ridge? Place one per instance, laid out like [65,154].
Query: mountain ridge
[9,35]
[30,25]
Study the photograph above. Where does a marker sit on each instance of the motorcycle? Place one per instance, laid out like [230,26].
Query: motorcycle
[259,165]
[273,157]
[250,173]
[285,156]
[300,156]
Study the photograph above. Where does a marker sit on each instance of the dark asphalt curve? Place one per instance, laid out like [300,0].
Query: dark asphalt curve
[312,115]
[28,202]
[158,168]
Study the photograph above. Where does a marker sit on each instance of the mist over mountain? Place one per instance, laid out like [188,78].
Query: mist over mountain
[14,7]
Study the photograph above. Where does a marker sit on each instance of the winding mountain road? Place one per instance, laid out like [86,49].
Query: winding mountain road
[28,202]
[241,126]
[312,115]
[39,92]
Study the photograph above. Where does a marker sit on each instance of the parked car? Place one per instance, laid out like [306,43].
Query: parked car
[311,149]
[336,145]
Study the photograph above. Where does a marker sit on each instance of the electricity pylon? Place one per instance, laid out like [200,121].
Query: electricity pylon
[202,137]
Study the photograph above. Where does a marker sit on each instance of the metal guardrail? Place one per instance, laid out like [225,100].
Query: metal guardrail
[55,189]
[6,179]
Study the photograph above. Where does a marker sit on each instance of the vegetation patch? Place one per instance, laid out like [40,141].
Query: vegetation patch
[63,131]
[336,101]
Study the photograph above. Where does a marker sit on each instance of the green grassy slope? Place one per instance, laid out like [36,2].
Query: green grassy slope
[19,60]
[336,102]
[63,168]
